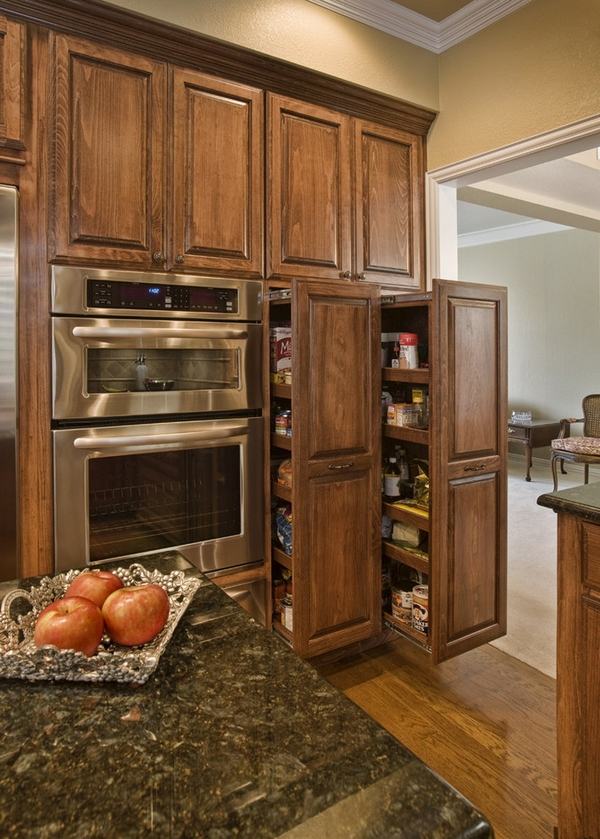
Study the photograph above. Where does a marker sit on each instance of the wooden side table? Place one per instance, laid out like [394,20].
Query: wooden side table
[532,435]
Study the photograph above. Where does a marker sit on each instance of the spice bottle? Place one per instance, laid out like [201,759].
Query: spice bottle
[391,480]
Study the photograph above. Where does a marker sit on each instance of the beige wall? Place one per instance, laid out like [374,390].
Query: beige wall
[532,71]
[309,35]
[553,316]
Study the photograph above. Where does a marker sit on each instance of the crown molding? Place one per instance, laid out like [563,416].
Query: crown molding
[506,232]
[432,35]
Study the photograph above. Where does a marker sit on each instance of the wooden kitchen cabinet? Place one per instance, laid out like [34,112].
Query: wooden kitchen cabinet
[389,212]
[308,191]
[218,178]
[325,169]
[12,64]
[334,398]
[462,334]
[108,184]
[336,451]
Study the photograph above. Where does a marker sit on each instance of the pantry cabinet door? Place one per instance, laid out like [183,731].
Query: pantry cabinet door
[108,171]
[217,203]
[468,448]
[337,479]
[308,189]
[389,206]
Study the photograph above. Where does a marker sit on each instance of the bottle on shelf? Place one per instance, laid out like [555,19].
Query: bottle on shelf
[391,480]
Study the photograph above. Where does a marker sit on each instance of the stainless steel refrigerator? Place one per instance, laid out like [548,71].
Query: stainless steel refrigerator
[8,381]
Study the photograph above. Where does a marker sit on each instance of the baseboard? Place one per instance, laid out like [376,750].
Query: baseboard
[544,463]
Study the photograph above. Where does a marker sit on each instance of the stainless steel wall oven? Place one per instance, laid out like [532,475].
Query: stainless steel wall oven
[157,433]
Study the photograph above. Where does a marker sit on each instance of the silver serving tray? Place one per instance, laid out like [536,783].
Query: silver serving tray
[21,659]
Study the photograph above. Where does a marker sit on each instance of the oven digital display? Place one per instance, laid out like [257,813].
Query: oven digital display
[109,294]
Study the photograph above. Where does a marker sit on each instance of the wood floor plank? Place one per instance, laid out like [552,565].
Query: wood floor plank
[484,721]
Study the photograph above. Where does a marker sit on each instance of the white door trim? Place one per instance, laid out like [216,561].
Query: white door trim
[442,183]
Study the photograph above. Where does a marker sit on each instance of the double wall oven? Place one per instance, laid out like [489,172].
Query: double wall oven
[156,417]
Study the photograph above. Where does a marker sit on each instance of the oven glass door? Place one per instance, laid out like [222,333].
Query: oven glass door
[130,490]
[110,368]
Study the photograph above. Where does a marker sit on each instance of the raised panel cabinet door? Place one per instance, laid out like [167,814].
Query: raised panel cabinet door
[309,191]
[468,455]
[337,479]
[217,203]
[12,50]
[108,173]
[335,390]
[389,206]
[337,578]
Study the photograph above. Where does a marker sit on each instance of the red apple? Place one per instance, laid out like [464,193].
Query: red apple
[94,585]
[71,623]
[135,615]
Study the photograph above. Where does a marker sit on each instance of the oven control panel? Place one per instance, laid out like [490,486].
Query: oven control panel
[108,294]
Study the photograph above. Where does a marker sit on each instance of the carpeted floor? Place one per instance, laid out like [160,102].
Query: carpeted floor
[532,566]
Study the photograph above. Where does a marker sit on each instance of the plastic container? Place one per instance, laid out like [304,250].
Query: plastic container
[407,351]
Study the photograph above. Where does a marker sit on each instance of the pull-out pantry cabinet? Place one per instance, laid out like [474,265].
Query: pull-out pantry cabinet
[333,563]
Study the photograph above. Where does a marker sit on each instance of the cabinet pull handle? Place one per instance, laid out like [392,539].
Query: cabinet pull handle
[475,468]
[346,275]
[158,256]
[179,258]
[336,467]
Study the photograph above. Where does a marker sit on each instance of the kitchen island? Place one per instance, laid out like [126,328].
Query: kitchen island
[578,640]
[232,736]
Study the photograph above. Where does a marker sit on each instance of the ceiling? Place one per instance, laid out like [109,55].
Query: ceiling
[539,199]
[435,9]
[435,25]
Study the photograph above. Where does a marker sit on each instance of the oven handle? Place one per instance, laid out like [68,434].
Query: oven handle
[148,439]
[157,332]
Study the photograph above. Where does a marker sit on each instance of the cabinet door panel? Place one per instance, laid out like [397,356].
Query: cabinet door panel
[473,371]
[308,190]
[473,560]
[12,46]
[338,555]
[337,369]
[336,483]
[468,451]
[218,174]
[108,168]
[389,205]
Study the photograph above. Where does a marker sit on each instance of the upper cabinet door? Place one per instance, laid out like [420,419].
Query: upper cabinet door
[12,46]
[218,177]
[389,216]
[108,155]
[469,461]
[309,191]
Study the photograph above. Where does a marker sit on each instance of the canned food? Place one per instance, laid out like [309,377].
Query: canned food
[420,609]
[283,423]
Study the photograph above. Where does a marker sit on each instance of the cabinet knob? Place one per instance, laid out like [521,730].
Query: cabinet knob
[179,258]
[158,256]
[346,275]
[362,276]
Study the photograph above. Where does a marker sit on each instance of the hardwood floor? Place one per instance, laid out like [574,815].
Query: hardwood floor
[484,721]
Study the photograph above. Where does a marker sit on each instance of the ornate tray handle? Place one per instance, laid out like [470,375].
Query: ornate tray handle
[15,594]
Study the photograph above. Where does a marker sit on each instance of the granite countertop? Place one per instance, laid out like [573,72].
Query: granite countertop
[582,501]
[233,736]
